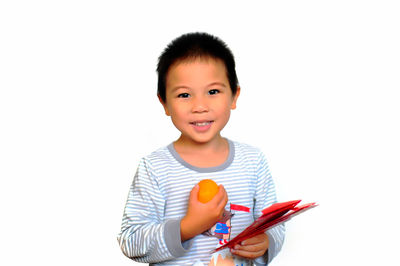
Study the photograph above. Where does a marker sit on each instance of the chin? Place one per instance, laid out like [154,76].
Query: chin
[205,140]
[200,139]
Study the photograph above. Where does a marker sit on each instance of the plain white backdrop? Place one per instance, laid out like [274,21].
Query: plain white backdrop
[78,109]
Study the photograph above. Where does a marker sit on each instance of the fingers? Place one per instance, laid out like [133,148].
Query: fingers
[214,209]
[221,195]
[194,192]
[249,251]
[253,247]
[260,238]
[220,200]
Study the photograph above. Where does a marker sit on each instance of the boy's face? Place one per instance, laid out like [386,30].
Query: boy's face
[199,99]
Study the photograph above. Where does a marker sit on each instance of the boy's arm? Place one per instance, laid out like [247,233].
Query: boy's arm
[266,196]
[145,236]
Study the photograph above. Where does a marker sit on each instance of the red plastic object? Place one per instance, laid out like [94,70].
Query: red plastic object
[272,216]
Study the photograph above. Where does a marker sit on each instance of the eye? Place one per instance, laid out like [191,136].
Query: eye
[183,95]
[213,92]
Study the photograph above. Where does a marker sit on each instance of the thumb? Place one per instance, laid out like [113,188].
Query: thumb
[194,193]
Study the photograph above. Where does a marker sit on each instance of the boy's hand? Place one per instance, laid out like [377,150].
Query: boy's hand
[202,216]
[253,247]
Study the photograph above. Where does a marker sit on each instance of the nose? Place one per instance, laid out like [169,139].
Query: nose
[200,105]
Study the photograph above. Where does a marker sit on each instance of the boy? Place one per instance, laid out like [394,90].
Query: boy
[164,223]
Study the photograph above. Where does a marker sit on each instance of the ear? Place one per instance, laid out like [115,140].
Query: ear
[235,98]
[164,105]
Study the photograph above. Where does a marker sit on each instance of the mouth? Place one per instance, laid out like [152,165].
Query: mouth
[201,123]
[202,126]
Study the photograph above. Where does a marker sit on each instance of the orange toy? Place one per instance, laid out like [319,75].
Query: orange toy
[207,191]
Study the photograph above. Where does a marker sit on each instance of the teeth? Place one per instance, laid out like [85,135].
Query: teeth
[202,124]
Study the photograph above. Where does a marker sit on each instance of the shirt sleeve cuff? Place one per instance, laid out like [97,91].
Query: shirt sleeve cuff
[172,236]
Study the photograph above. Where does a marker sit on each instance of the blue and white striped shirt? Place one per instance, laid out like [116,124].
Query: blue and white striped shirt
[159,195]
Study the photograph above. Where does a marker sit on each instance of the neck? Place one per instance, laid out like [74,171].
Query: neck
[184,145]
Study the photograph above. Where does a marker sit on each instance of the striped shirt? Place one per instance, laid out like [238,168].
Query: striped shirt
[158,199]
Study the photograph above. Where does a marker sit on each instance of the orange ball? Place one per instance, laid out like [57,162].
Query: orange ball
[208,189]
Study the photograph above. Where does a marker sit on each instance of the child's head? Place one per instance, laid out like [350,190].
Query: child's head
[194,46]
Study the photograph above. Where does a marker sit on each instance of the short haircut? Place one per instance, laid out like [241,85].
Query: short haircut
[193,46]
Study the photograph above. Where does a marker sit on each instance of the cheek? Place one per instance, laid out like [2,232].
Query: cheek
[177,114]
[223,116]
[227,115]
[224,110]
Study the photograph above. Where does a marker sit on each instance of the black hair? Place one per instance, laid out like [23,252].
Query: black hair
[192,46]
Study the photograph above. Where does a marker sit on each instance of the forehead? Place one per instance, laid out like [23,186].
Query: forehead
[197,71]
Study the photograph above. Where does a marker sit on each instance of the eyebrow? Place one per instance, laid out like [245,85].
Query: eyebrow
[179,87]
[216,83]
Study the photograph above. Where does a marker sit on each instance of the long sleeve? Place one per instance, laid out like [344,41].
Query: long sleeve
[145,235]
[266,196]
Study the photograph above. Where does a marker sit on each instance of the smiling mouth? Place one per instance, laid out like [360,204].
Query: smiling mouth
[202,123]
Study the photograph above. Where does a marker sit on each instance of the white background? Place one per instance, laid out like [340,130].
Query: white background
[78,109]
